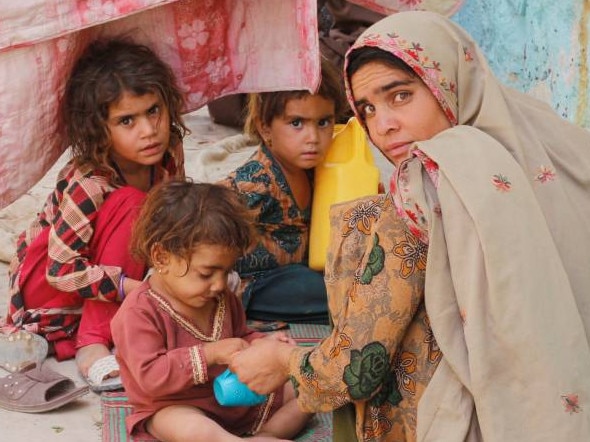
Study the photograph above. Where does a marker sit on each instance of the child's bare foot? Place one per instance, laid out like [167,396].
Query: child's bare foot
[89,354]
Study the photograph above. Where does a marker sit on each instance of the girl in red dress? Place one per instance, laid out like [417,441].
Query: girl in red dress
[176,332]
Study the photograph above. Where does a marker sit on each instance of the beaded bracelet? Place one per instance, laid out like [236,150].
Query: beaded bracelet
[121,288]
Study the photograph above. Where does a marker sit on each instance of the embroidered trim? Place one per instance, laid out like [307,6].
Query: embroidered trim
[199,365]
[188,325]
[263,412]
[406,207]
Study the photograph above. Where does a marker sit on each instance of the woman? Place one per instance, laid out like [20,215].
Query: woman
[495,186]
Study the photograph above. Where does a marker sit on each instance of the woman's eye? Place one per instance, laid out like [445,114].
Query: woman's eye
[401,97]
[366,110]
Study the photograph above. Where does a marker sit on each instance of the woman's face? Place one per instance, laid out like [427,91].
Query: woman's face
[397,108]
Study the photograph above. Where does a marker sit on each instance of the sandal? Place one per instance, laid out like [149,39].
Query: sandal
[98,375]
[37,390]
[21,349]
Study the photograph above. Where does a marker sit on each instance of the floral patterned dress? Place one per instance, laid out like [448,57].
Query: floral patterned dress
[381,352]
[282,225]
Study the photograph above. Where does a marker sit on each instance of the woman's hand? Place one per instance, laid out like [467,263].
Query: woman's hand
[282,337]
[264,366]
[220,352]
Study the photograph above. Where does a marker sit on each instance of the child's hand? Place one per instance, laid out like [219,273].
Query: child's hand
[220,352]
[129,285]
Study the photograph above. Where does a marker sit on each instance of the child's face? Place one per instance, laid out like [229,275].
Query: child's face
[300,137]
[140,130]
[206,278]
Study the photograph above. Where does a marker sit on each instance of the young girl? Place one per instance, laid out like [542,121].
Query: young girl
[176,332]
[295,129]
[120,114]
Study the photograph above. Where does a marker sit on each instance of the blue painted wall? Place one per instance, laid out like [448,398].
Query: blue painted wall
[537,46]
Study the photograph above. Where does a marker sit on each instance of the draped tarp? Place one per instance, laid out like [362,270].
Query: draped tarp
[216,47]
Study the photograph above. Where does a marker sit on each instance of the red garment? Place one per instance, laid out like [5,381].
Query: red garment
[75,250]
[161,360]
[112,229]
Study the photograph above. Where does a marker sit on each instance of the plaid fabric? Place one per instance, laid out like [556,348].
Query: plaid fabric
[71,210]
[115,406]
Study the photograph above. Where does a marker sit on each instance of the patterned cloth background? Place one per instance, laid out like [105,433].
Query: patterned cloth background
[215,48]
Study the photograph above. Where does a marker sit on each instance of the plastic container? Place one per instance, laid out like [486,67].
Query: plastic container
[347,172]
[230,392]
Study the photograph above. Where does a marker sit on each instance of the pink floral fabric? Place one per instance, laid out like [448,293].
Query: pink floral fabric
[215,47]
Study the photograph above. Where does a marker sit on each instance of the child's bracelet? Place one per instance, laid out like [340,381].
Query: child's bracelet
[121,288]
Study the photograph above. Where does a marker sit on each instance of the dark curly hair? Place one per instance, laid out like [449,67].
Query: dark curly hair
[106,69]
[179,214]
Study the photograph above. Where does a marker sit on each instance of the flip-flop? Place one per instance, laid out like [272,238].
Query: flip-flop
[21,349]
[37,390]
[97,375]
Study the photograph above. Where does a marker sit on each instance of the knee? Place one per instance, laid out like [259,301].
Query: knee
[192,431]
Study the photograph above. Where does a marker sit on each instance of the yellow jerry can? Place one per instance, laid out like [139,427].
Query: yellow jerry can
[347,172]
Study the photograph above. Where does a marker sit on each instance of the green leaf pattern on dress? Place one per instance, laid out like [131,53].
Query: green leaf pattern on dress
[374,263]
[367,370]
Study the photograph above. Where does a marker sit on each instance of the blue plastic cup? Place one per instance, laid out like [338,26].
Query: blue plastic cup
[230,392]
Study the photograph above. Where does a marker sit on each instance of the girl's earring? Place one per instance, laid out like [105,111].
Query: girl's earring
[268,142]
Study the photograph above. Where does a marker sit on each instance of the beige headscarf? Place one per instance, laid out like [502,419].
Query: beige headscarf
[503,199]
